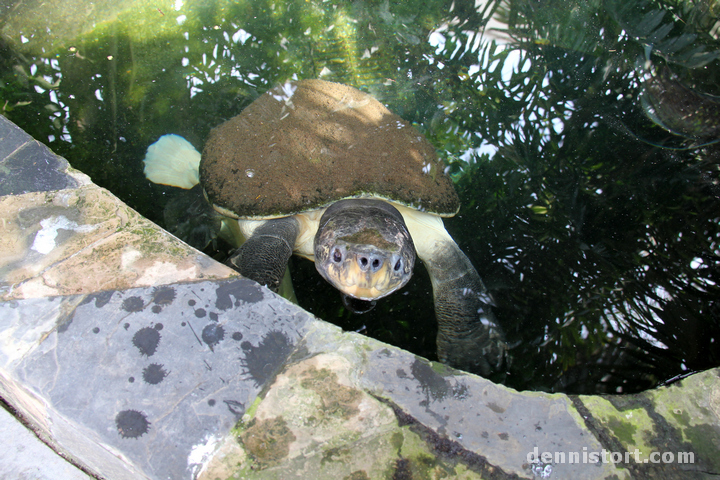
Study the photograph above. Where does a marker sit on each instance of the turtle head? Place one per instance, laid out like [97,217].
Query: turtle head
[363,248]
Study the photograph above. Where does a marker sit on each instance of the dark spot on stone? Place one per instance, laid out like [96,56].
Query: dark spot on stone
[211,402]
[385,352]
[131,423]
[235,407]
[96,330]
[495,407]
[131,379]
[200,313]
[191,303]
[402,470]
[357,475]
[485,435]
[237,336]
[431,382]
[154,373]
[403,418]
[163,295]
[213,334]
[242,289]
[64,323]
[156,309]
[538,427]
[335,454]
[159,326]
[461,391]
[101,298]
[146,340]
[263,362]
[133,304]
[213,316]
[401,373]
[126,326]
[182,324]
[503,436]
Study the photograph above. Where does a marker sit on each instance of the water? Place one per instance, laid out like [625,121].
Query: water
[583,146]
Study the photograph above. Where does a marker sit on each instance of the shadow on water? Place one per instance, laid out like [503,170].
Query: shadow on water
[583,146]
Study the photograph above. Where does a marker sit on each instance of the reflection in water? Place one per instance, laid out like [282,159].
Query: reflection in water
[600,248]
[680,109]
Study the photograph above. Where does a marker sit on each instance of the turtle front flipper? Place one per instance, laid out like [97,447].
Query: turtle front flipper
[264,256]
[469,337]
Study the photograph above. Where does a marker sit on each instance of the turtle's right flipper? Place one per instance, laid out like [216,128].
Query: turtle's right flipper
[469,337]
[264,256]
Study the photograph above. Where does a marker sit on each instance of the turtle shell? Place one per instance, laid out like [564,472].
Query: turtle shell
[305,145]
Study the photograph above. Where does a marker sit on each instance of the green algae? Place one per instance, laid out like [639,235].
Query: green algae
[633,428]
[416,460]
[337,400]
[690,407]
[268,441]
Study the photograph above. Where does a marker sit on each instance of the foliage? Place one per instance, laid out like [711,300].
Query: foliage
[601,248]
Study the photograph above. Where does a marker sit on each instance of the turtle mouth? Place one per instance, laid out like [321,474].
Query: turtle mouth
[364,272]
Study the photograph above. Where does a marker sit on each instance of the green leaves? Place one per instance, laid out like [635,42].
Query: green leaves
[576,220]
[672,39]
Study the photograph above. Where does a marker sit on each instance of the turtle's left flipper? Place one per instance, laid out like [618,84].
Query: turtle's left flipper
[469,337]
[264,256]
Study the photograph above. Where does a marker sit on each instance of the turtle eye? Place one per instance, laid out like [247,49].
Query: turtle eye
[337,255]
[398,265]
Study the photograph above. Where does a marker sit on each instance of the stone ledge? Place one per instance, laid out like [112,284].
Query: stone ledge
[138,357]
[83,240]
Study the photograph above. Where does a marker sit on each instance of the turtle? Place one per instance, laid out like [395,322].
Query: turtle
[325,171]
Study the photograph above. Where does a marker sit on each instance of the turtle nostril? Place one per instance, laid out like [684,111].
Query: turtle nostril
[375,263]
[398,264]
[363,261]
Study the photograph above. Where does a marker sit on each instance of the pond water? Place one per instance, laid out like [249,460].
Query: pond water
[582,137]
